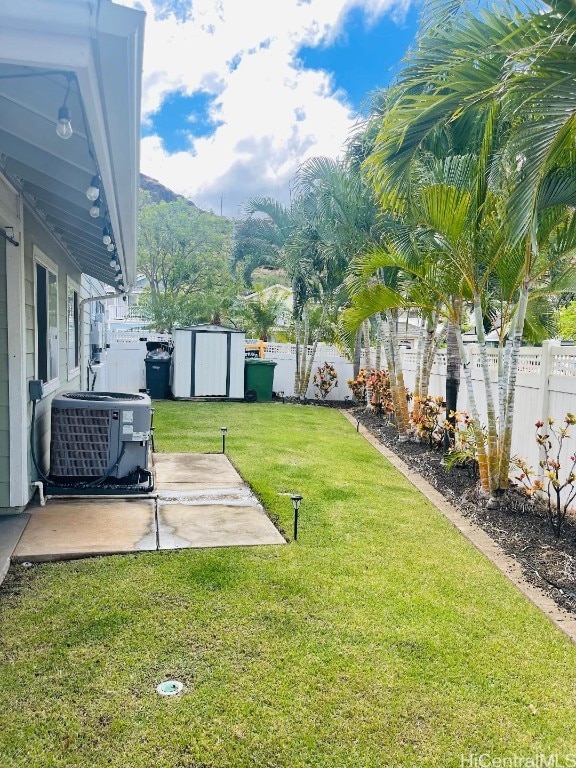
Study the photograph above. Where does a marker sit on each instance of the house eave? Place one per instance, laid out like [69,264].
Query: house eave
[100,44]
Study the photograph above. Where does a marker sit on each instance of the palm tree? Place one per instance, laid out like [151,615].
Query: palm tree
[342,220]
[474,85]
[259,314]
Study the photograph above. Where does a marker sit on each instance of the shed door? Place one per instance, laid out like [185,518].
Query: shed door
[211,368]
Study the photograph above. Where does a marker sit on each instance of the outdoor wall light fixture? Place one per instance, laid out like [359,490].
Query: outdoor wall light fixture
[64,126]
[224,430]
[93,191]
[296,500]
[95,210]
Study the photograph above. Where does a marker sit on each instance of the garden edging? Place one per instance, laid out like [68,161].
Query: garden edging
[477,537]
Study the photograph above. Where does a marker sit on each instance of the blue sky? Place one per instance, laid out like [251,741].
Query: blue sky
[237,93]
[364,56]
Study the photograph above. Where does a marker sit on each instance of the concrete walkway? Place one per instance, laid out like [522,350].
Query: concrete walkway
[200,501]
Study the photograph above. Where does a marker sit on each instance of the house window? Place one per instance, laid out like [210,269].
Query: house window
[73,315]
[46,323]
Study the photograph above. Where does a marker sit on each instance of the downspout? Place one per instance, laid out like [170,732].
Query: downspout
[83,302]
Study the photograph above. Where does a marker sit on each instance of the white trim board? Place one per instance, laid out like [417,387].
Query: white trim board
[17,400]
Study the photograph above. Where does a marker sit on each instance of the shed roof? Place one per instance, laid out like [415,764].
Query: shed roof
[209,328]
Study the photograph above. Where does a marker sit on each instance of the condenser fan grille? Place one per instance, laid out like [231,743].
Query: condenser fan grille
[102,397]
[80,442]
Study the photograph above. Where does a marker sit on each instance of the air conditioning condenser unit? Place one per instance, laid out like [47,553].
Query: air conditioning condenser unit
[99,436]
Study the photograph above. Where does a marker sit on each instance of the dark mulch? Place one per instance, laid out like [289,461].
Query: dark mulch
[520,526]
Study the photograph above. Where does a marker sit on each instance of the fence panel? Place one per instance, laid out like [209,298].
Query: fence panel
[126,369]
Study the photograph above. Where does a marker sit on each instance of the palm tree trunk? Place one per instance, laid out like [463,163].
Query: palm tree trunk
[303,354]
[298,329]
[317,335]
[492,446]
[357,353]
[378,360]
[420,352]
[476,426]
[452,380]
[506,444]
[389,352]
[428,361]
[397,380]
[367,348]
[367,361]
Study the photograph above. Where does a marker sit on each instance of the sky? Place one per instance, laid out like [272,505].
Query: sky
[236,94]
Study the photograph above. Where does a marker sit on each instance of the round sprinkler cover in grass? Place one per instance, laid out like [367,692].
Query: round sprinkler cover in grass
[170,688]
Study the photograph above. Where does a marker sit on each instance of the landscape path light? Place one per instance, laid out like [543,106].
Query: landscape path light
[296,499]
[224,430]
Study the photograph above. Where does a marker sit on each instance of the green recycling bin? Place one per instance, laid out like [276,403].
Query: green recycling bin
[258,379]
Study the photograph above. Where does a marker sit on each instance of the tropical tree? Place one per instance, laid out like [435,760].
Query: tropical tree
[184,253]
[259,314]
[329,221]
[567,321]
[340,217]
[491,82]
[258,240]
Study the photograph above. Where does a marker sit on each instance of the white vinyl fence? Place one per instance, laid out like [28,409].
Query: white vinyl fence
[545,388]
[124,361]
[546,384]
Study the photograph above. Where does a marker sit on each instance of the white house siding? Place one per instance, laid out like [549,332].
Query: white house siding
[37,236]
[4,414]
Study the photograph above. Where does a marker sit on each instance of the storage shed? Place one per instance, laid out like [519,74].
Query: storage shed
[208,361]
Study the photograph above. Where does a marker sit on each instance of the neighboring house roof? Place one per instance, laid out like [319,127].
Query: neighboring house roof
[86,56]
[408,329]
[271,290]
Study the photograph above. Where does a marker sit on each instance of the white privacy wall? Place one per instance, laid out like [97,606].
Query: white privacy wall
[546,388]
[546,384]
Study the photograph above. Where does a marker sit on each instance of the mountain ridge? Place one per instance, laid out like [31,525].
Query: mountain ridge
[161,194]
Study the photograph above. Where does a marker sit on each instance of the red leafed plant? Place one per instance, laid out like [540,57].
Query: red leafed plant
[559,487]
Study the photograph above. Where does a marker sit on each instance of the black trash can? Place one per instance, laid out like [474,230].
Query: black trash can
[158,374]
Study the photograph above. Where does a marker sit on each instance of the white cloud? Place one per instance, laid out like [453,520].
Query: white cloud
[273,113]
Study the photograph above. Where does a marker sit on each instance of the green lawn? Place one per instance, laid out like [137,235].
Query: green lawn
[380,638]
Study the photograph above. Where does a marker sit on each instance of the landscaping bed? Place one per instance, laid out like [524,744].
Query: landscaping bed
[520,526]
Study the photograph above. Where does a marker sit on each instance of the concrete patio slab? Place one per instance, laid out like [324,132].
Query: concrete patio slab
[11,528]
[201,501]
[238,495]
[216,525]
[71,528]
[183,471]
